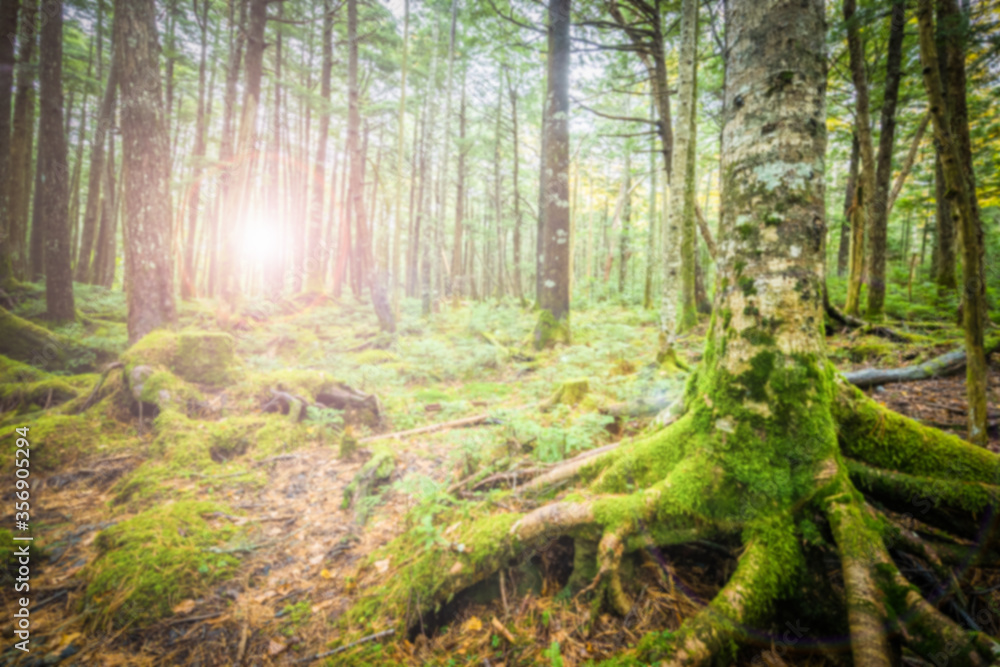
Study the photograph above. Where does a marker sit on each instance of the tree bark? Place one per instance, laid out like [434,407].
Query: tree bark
[314,266]
[962,199]
[189,271]
[652,247]
[52,197]
[91,215]
[18,186]
[8,27]
[866,184]
[877,229]
[555,242]
[145,154]
[458,273]
[518,221]
[105,252]
[843,251]
[683,189]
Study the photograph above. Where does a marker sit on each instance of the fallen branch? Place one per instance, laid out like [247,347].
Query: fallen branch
[458,423]
[947,364]
[326,654]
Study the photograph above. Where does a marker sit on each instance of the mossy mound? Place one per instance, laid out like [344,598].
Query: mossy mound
[203,357]
[57,440]
[571,393]
[25,341]
[162,389]
[149,563]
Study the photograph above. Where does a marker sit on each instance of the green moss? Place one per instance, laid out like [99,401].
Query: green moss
[150,562]
[372,357]
[570,392]
[886,439]
[57,440]
[25,341]
[195,356]
[549,331]
[757,336]
[167,391]
[747,286]
[205,357]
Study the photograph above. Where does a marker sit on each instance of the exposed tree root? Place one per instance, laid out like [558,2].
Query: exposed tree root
[954,506]
[651,491]
[866,614]
[885,439]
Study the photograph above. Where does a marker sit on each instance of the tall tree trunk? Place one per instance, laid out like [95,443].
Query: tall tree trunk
[18,185]
[459,274]
[626,217]
[189,273]
[145,157]
[227,145]
[518,220]
[866,184]
[843,252]
[400,159]
[8,27]
[652,247]
[91,215]
[314,267]
[52,197]
[962,199]
[356,195]
[105,252]
[683,191]
[554,241]
[878,225]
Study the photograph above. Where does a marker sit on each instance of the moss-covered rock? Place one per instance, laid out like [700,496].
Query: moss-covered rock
[570,392]
[203,357]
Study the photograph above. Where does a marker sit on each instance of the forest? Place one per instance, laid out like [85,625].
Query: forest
[500,332]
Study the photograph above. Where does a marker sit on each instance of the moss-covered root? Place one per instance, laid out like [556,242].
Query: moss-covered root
[769,564]
[885,439]
[866,614]
[929,633]
[955,506]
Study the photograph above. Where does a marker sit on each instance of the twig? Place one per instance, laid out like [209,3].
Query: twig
[191,619]
[326,654]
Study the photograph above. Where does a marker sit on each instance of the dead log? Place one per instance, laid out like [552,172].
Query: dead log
[949,363]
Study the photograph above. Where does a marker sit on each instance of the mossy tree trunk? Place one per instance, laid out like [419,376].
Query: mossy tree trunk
[146,154]
[770,439]
[961,197]
[554,241]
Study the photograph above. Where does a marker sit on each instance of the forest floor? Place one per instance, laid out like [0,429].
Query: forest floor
[223,538]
